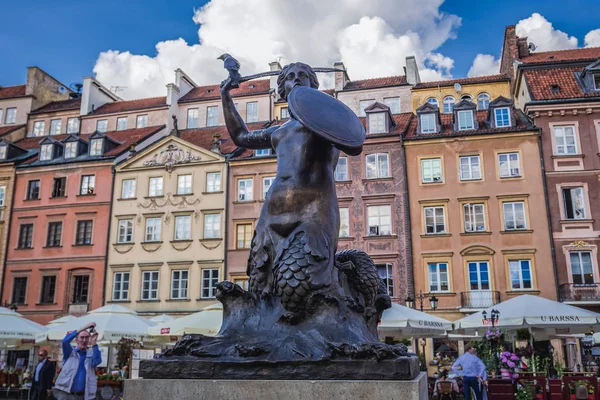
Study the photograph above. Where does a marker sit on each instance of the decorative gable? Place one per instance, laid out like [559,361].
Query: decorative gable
[379,118]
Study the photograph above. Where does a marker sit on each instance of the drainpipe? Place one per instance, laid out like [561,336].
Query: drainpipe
[112,190]
[12,201]
[408,235]
[226,235]
[548,216]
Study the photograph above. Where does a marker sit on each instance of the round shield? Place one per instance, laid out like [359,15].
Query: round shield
[327,117]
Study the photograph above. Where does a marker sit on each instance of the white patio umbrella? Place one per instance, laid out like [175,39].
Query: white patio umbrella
[401,321]
[537,313]
[207,322]
[113,322]
[42,337]
[159,319]
[14,327]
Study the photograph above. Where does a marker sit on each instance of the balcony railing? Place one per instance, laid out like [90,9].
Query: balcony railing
[572,292]
[479,299]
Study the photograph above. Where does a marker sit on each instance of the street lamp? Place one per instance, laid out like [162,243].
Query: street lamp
[494,314]
[421,297]
[551,366]
[434,302]
[410,302]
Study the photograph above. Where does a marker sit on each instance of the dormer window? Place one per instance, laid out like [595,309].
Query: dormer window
[465,120]
[96,148]
[46,152]
[377,123]
[71,150]
[597,81]
[262,152]
[3,152]
[502,117]
[428,123]
[555,88]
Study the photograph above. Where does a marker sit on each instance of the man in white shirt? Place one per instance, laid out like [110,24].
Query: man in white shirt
[472,370]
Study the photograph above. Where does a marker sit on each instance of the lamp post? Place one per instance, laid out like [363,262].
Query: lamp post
[434,302]
[410,302]
[421,297]
[551,352]
[494,314]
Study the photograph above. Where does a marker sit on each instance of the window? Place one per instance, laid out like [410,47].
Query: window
[184,184]
[155,186]
[84,232]
[150,285]
[509,165]
[46,152]
[213,182]
[2,195]
[502,117]
[33,190]
[377,123]
[88,184]
[433,101]
[25,236]
[597,81]
[71,149]
[377,166]
[120,286]
[266,185]
[48,289]
[448,104]
[243,283]
[362,105]
[80,289]
[153,228]
[564,140]
[466,97]
[210,278]
[474,217]
[1,115]
[59,187]
[244,189]
[141,121]
[581,267]
[470,168]
[192,118]
[438,277]
[212,116]
[344,222]
[252,111]
[386,273]
[483,101]
[128,189]
[284,113]
[121,123]
[244,236]
[183,227]
[465,120]
[428,123]
[435,220]
[11,115]
[19,290]
[574,203]
[212,226]
[431,170]
[341,169]
[125,232]
[54,234]
[102,125]
[520,274]
[96,148]
[38,128]
[262,152]
[73,125]
[514,215]
[179,284]
[393,103]
[55,127]
[380,220]
[3,152]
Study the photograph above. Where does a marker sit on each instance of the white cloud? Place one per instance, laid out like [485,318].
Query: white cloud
[592,39]
[371,41]
[484,64]
[540,32]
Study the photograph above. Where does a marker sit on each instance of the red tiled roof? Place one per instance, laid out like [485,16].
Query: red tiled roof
[12,91]
[447,129]
[131,105]
[211,92]
[55,106]
[8,129]
[463,81]
[203,137]
[588,53]
[540,83]
[402,123]
[374,83]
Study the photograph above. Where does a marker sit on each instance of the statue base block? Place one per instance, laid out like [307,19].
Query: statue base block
[189,389]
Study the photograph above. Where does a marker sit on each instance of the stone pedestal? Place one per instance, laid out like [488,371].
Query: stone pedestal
[190,389]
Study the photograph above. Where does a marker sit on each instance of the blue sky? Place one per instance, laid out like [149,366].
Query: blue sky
[65,37]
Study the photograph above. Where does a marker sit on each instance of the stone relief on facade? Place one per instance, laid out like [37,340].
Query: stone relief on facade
[170,157]
[155,203]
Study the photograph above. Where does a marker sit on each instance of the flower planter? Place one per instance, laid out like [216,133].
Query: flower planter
[506,374]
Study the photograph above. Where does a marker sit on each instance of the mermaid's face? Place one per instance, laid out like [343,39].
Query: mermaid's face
[297,75]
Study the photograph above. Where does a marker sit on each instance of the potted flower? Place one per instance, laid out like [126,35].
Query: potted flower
[508,362]
[493,335]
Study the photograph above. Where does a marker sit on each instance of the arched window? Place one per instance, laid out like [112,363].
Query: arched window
[434,101]
[483,101]
[466,96]
[448,104]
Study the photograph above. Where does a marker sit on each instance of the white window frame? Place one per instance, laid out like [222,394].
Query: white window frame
[344,222]
[560,134]
[427,122]
[2,195]
[500,112]
[183,227]
[467,124]
[428,165]
[362,104]
[245,234]
[470,173]
[448,103]
[437,274]
[55,126]
[73,125]
[208,283]
[212,115]
[212,226]
[180,283]
[3,152]
[192,118]
[582,274]
[213,182]
[391,103]
[125,230]
[434,101]
[267,182]
[1,115]
[155,186]
[120,293]
[284,113]
[379,165]
[71,149]
[434,219]
[102,125]
[511,170]
[376,220]
[152,278]
[96,147]
[483,101]
[388,277]
[581,196]
[128,188]
[511,207]
[153,229]
[519,270]
[252,111]
[262,152]
[11,115]
[122,123]
[144,121]
[377,122]
[87,182]
[341,169]
[46,152]
[39,128]
[471,212]
[244,189]
[184,184]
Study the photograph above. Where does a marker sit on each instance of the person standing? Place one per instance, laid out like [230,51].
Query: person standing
[43,376]
[472,370]
[77,379]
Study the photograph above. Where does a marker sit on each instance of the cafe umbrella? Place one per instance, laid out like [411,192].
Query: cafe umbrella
[207,322]
[14,328]
[403,322]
